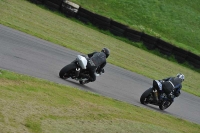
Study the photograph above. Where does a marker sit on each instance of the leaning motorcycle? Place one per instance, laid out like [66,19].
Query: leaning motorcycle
[152,96]
[76,69]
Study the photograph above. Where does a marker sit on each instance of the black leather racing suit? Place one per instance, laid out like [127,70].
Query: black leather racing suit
[96,60]
[172,86]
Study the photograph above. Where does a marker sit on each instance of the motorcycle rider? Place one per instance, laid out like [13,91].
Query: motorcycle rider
[96,60]
[171,86]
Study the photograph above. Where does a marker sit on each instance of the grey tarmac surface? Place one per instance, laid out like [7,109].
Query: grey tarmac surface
[25,54]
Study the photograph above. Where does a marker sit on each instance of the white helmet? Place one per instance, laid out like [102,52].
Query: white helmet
[181,76]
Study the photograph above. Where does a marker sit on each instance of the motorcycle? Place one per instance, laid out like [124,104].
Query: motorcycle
[77,70]
[155,97]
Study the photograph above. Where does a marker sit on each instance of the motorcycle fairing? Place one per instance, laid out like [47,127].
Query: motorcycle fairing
[82,61]
[159,84]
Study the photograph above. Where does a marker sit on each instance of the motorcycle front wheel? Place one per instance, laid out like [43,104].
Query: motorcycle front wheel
[144,97]
[67,71]
[164,105]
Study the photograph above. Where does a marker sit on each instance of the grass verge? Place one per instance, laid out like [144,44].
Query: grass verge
[34,105]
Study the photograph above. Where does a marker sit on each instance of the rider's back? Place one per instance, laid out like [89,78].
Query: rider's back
[98,58]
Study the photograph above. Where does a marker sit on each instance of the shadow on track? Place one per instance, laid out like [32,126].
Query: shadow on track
[78,85]
[154,107]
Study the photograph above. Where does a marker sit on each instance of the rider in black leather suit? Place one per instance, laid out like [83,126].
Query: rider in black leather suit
[172,86]
[96,60]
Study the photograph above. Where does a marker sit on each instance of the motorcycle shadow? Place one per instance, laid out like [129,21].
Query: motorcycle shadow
[80,86]
[154,107]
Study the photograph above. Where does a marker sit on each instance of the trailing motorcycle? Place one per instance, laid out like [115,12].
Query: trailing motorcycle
[155,97]
[76,69]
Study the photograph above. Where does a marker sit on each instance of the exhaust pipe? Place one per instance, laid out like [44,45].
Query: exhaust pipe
[155,92]
[77,72]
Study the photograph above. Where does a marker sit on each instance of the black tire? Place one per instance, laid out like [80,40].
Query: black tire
[101,24]
[144,96]
[65,71]
[164,47]
[51,6]
[57,2]
[132,37]
[180,54]
[85,18]
[116,30]
[119,25]
[102,18]
[37,1]
[164,105]
[85,15]
[81,82]
[149,41]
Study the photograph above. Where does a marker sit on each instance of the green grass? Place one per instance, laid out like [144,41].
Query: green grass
[34,105]
[176,22]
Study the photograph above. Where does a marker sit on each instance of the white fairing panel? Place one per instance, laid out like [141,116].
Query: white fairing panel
[159,84]
[82,61]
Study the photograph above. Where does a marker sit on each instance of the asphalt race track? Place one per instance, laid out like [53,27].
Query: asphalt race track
[25,54]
